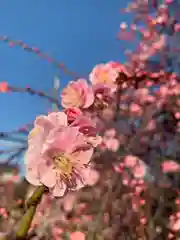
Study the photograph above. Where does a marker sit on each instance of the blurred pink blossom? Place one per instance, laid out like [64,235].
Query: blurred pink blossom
[111,144]
[139,171]
[77,236]
[130,161]
[170,166]
[69,201]
[175,224]
[135,109]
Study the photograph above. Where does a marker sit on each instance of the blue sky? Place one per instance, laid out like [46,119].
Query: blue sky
[78,33]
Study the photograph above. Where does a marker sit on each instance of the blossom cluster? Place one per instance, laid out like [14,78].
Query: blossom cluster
[60,145]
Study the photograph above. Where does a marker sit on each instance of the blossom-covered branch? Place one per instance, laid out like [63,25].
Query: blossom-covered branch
[115,138]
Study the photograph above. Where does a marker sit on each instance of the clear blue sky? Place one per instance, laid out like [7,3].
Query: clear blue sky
[78,33]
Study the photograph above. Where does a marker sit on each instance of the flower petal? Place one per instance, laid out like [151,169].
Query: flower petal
[82,156]
[58,118]
[32,176]
[47,176]
[62,139]
[89,175]
[44,122]
[59,189]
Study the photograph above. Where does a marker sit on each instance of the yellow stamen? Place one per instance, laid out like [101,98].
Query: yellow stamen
[104,77]
[63,164]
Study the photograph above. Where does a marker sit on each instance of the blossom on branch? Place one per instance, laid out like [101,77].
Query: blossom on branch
[104,74]
[77,94]
[58,155]
[4,87]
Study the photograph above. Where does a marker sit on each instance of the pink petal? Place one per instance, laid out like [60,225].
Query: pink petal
[139,171]
[83,156]
[36,137]
[44,122]
[32,157]
[95,141]
[83,121]
[59,189]
[79,185]
[112,144]
[86,125]
[89,175]
[89,98]
[61,139]
[69,201]
[58,118]
[130,161]
[72,113]
[47,176]
[170,166]
[32,176]
[32,154]
[77,236]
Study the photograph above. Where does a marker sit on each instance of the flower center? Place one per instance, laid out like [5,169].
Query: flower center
[104,77]
[64,164]
[72,96]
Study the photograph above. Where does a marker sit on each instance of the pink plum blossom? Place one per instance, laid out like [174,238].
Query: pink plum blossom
[170,166]
[104,74]
[58,155]
[77,94]
[109,140]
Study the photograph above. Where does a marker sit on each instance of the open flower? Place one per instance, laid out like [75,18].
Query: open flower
[108,73]
[77,94]
[104,74]
[58,154]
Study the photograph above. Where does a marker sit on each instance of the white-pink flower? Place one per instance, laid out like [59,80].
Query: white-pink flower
[77,94]
[104,74]
[58,154]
